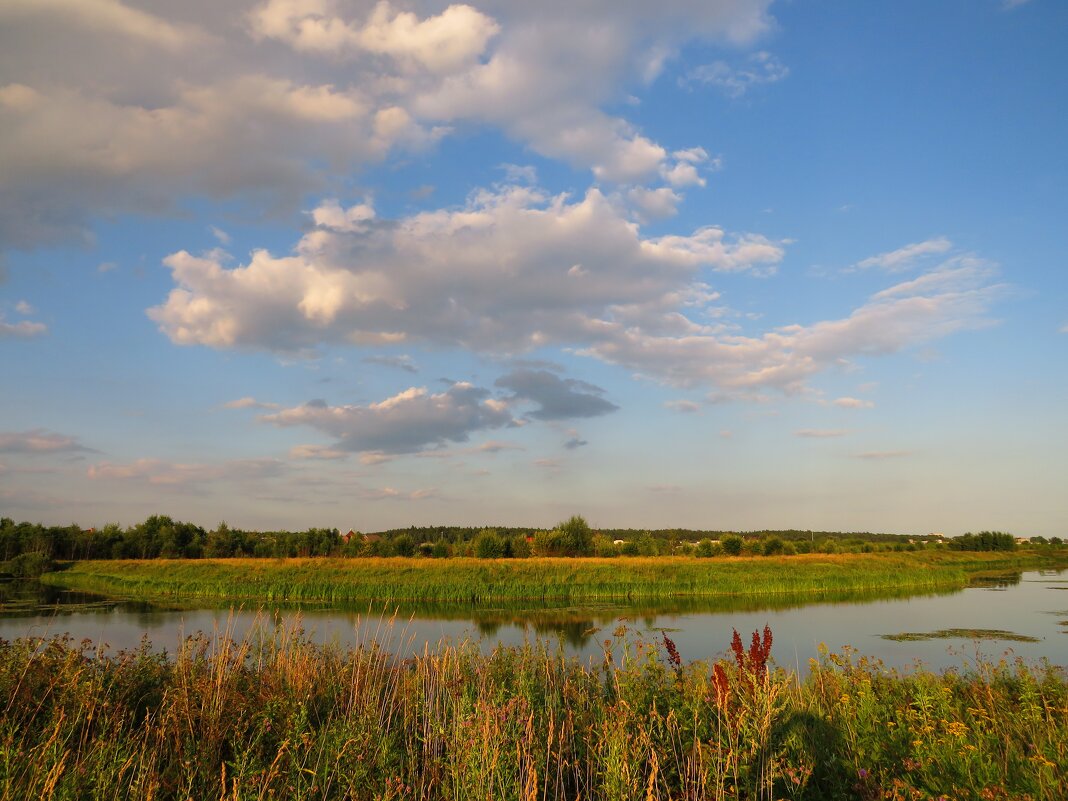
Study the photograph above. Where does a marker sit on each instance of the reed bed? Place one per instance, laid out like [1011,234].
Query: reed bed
[539,579]
[273,716]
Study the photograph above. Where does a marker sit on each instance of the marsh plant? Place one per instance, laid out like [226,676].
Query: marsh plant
[275,716]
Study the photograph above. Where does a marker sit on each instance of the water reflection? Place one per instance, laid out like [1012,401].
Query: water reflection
[701,628]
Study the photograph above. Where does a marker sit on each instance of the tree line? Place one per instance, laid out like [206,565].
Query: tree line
[32,548]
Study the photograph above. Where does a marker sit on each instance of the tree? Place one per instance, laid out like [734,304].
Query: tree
[732,545]
[488,545]
[576,538]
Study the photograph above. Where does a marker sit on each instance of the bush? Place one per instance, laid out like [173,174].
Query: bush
[30,565]
[771,546]
[704,549]
[488,545]
[576,538]
[732,545]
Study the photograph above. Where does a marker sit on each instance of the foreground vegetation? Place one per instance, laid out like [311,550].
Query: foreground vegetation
[275,716]
[535,579]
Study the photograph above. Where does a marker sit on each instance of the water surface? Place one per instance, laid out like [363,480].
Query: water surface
[1024,603]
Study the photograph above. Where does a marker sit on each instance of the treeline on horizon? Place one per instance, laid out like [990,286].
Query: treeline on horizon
[33,548]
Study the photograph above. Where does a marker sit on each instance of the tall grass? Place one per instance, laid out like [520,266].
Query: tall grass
[475,580]
[274,716]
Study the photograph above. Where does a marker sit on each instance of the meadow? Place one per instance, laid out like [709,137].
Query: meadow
[330,580]
[275,716]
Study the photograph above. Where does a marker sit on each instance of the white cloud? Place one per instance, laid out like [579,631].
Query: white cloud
[248,403]
[39,441]
[684,406]
[853,403]
[905,257]
[220,234]
[445,42]
[134,123]
[520,269]
[408,422]
[496,446]
[24,329]
[759,68]
[319,452]
[108,17]
[24,308]
[654,204]
[909,314]
[161,473]
[820,433]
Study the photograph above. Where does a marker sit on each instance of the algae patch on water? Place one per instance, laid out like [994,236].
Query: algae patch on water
[959,634]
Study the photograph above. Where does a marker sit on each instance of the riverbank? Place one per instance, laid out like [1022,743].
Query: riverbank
[273,716]
[558,580]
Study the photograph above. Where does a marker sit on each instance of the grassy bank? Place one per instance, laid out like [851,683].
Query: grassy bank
[277,717]
[566,580]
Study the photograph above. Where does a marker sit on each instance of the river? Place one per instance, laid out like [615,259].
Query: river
[1032,604]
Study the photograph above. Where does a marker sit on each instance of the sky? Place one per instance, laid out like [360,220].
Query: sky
[720,264]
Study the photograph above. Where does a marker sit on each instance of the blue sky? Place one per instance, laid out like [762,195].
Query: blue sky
[727,264]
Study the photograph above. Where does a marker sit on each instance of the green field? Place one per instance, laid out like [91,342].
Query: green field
[529,580]
[276,717]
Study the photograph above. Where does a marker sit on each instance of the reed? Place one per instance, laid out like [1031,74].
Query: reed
[274,716]
[543,579]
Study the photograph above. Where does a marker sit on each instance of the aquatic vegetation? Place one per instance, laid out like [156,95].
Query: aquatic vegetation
[959,634]
[535,579]
[274,716]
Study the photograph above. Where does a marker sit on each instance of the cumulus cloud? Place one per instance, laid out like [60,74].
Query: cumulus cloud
[654,204]
[411,421]
[512,270]
[759,68]
[444,42]
[905,257]
[39,441]
[248,133]
[955,297]
[515,270]
[107,17]
[557,398]
[134,123]
[24,329]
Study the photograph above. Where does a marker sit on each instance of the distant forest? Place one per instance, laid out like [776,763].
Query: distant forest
[32,548]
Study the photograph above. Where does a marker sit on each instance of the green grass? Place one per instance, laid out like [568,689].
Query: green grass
[530,580]
[276,717]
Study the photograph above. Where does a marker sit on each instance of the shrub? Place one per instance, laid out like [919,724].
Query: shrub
[771,546]
[488,545]
[732,545]
[30,565]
